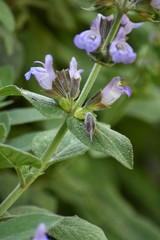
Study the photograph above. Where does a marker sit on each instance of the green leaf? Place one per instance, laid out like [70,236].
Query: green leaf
[3,132]
[5,103]
[12,157]
[105,140]
[6,16]
[26,210]
[44,105]
[23,142]
[24,227]
[24,115]
[75,228]
[4,119]
[69,147]
[6,76]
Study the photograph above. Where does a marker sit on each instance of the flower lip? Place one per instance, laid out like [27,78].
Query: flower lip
[120,50]
[90,40]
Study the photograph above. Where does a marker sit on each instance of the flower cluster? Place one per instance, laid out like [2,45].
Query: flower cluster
[63,85]
[119,50]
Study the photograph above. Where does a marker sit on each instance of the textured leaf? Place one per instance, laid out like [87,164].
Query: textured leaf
[24,227]
[105,140]
[75,228]
[6,16]
[44,105]
[12,157]
[69,147]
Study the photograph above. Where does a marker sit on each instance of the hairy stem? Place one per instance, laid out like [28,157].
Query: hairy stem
[20,176]
[17,192]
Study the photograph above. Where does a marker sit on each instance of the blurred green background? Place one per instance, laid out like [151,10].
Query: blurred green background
[124,203]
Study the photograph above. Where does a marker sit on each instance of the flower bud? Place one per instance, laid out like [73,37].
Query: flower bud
[89,123]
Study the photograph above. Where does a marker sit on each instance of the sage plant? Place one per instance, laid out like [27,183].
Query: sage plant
[106,43]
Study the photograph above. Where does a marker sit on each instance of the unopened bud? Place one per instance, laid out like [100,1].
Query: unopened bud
[89,123]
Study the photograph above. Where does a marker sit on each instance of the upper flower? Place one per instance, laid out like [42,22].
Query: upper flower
[90,40]
[113,91]
[120,50]
[156,4]
[45,75]
[40,232]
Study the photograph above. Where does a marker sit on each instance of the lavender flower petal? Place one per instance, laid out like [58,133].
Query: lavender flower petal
[40,232]
[120,50]
[89,40]
[74,73]
[155,4]
[113,91]
[128,25]
[44,75]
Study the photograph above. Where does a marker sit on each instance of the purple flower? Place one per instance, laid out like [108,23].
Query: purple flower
[120,50]
[40,232]
[113,91]
[73,72]
[128,25]
[44,75]
[90,40]
[155,4]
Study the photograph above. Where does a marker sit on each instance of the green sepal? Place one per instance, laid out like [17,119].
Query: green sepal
[65,104]
[80,113]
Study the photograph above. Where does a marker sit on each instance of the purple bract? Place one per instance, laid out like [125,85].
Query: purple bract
[113,91]
[44,75]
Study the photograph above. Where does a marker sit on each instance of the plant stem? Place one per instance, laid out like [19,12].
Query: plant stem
[87,87]
[17,192]
[20,176]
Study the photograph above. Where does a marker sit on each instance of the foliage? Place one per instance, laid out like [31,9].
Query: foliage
[90,184]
